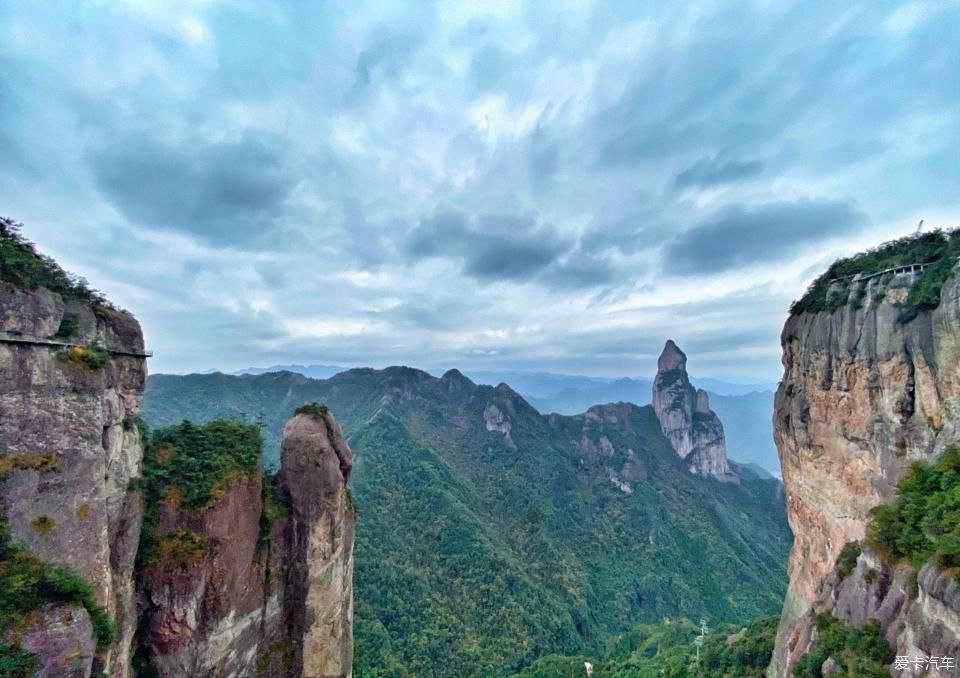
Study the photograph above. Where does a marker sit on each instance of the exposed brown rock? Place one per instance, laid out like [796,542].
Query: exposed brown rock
[863,396]
[256,604]
[315,466]
[78,420]
[246,603]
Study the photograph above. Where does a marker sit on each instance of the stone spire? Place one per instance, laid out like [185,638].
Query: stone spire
[686,419]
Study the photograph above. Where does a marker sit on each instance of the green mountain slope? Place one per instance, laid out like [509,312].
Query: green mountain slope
[490,535]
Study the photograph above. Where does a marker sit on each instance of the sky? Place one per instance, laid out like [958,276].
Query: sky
[483,185]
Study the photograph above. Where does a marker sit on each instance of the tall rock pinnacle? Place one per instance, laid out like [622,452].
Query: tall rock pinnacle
[686,419]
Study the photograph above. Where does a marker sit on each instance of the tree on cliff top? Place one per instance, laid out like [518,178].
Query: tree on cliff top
[23,266]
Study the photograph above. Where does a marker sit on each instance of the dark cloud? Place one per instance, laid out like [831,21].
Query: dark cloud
[225,192]
[387,54]
[490,246]
[708,172]
[742,235]
[573,143]
[579,269]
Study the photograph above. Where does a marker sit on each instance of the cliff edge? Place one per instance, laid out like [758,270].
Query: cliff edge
[164,553]
[871,384]
[72,372]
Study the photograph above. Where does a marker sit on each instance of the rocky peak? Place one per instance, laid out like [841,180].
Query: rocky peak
[272,584]
[686,419]
[315,466]
[672,358]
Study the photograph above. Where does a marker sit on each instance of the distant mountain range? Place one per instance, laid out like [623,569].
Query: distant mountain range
[746,410]
[490,534]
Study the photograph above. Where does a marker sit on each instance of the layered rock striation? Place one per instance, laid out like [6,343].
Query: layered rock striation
[871,384]
[686,419]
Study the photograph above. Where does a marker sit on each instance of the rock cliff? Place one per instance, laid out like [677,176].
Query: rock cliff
[258,580]
[176,555]
[68,451]
[685,416]
[315,466]
[871,384]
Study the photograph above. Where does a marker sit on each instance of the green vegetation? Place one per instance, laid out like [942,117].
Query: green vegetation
[23,266]
[923,523]
[276,507]
[26,584]
[89,357]
[198,461]
[476,557]
[68,327]
[43,524]
[16,663]
[35,462]
[313,409]
[179,549]
[941,248]
[668,649]
[859,652]
[189,466]
[847,560]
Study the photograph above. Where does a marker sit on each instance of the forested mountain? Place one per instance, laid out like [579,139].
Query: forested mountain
[490,535]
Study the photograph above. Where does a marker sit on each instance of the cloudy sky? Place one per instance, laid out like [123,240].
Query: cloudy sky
[541,185]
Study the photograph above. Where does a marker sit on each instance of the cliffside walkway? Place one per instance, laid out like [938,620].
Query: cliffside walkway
[9,338]
[897,270]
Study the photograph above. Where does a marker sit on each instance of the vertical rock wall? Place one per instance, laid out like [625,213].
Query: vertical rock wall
[315,466]
[68,449]
[863,395]
[262,599]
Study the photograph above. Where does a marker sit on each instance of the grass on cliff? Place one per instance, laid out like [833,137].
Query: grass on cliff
[923,523]
[26,584]
[23,266]
[941,248]
[859,652]
[189,466]
[88,357]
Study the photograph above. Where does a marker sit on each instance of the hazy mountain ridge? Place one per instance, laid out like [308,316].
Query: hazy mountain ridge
[746,410]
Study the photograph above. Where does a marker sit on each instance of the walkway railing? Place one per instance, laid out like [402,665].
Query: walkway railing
[10,338]
[897,270]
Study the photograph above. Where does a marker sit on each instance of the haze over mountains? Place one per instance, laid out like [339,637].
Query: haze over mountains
[746,410]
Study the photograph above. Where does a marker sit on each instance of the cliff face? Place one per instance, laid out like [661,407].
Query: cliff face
[116,552]
[241,589]
[315,467]
[866,391]
[685,416]
[67,453]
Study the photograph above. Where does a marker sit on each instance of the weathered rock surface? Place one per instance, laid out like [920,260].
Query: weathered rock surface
[315,466]
[256,603]
[68,451]
[62,637]
[863,396]
[686,419]
[261,598]
[918,611]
